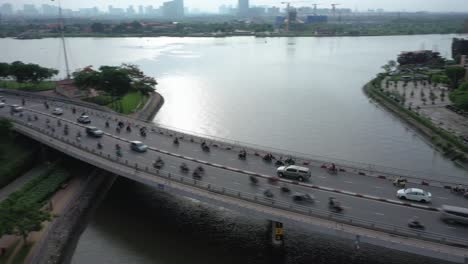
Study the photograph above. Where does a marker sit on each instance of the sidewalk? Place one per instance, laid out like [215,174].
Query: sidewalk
[20,181]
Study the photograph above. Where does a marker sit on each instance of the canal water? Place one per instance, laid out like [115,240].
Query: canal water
[299,94]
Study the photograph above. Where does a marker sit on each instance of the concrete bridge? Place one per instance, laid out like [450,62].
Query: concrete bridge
[371,212]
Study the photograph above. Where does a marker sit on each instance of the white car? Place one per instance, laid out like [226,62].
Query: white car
[414,194]
[57,111]
[2,105]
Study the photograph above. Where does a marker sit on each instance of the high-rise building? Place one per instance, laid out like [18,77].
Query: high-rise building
[49,10]
[30,10]
[141,10]
[6,9]
[243,7]
[130,11]
[273,11]
[173,9]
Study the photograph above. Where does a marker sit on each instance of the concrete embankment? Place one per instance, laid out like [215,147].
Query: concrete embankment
[61,238]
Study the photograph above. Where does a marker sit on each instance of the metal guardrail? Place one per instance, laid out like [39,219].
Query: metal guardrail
[306,211]
[252,149]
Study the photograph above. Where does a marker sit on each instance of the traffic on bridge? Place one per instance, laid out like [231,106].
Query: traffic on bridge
[403,201]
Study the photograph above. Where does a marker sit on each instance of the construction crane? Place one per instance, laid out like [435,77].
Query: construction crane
[315,8]
[334,8]
[288,11]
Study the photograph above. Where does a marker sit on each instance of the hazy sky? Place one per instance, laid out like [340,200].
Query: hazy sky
[212,5]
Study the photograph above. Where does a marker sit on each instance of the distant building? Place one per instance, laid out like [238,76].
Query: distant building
[173,9]
[273,11]
[49,10]
[30,10]
[6,9]
[420,57]
[464,64]
[116,11]
[459,48]
[243,8]
[316,19]
[130,11]
[88,12]
[141,10]
[256,11]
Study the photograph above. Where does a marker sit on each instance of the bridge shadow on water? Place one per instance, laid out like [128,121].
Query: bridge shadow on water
[138,224]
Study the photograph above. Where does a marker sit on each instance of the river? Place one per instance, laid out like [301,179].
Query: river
[299,94]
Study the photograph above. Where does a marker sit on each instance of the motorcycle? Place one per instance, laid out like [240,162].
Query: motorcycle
[107,124]
[176,141]
[129,129]
[99,145]
[268,193]
[334,205]
[332,170]
[458,190]
[400,183]
[158,164]
[198,173]
[290,161]
[184,168]
[268,157]
[253,180]
[242,155]
[118,152]
[279,163]
[285,189]
[117,147]
[414,223]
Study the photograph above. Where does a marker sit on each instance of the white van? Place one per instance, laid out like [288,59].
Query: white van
[453,214]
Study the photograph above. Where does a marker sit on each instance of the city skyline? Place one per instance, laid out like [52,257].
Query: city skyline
[213,6]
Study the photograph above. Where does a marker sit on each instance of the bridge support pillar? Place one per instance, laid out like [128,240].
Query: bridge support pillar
[276,233]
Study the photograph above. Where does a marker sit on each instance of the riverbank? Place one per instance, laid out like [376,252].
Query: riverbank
[217,35]
[440,140]
[56,243]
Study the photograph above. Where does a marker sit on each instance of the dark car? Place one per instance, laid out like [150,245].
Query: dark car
[94,132]
[84,119]
[138,146]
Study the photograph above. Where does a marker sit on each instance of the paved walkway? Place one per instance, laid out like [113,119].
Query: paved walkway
[20,181]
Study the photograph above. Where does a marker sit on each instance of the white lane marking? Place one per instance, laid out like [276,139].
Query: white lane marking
[378,187]
[379,214]
[173,166]
[443,198]
[348,182]
[323,177]
[236,183]
[451,227]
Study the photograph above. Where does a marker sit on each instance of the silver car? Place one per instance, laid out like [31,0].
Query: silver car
[294,172]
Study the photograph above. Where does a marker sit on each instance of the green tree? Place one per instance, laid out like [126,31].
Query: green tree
[463,87]
[22,219]
[455,73]
[97,27]
[4,70]
[86,78]
[460,99]
[30,72]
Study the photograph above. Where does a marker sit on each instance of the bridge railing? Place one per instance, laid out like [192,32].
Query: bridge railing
[249,197]
[254,149]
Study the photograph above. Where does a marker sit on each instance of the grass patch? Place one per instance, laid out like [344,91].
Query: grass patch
[32,87]
[22,253]
[15,158]
[130,103]
[9,251]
